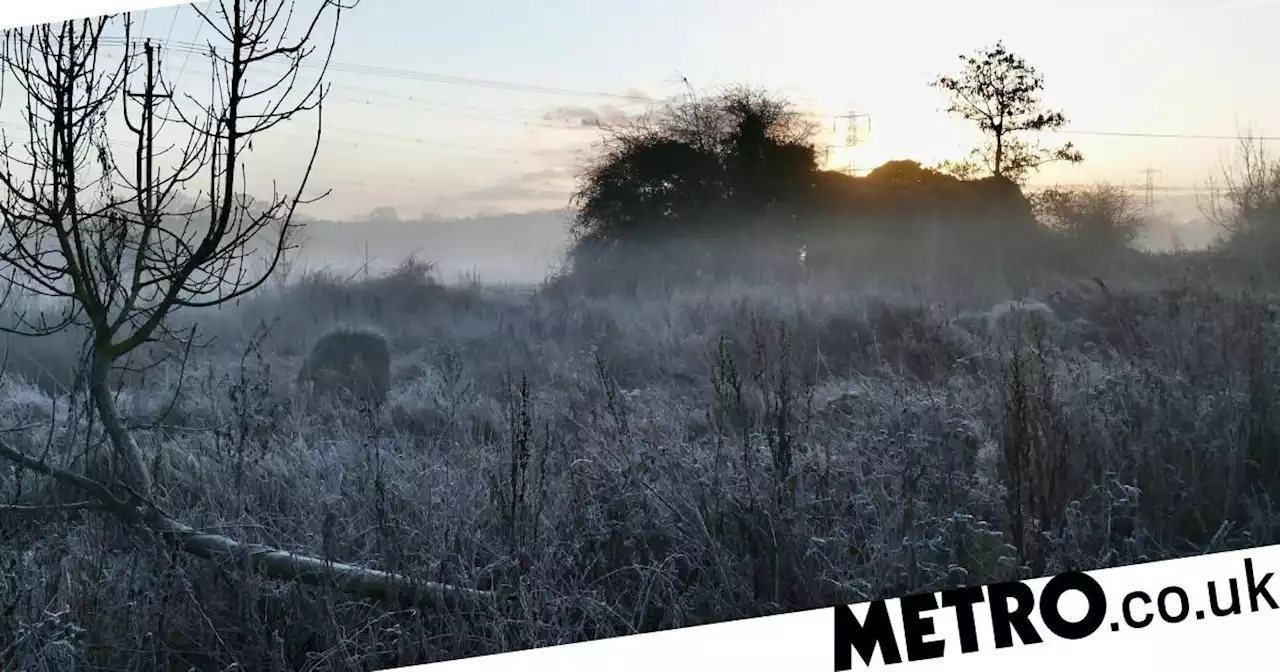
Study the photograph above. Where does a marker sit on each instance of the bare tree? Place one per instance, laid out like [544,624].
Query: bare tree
[119,253]
[1102,217]
[60,215]
[1245,201]
[1000,92]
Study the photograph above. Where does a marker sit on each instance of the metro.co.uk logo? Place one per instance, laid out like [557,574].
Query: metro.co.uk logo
[1070,606]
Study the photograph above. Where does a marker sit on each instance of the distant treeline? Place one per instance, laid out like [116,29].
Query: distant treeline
[732,185]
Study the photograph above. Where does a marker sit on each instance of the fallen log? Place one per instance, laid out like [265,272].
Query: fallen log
[273,563]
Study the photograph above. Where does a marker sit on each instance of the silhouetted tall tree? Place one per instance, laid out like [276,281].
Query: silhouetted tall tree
[1001,93]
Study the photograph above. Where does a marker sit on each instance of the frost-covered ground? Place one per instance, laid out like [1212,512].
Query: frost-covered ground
[679,459]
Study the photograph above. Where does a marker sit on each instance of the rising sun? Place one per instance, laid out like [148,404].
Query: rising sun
[873,147]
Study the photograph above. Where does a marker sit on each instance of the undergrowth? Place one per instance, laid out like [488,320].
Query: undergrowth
[629,465]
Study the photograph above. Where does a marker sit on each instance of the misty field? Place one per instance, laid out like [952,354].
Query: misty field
[622,465]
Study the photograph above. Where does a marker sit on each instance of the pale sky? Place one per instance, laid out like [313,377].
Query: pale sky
[1174,66]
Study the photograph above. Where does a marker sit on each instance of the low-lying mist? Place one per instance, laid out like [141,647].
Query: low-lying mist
[521,248]
[525,248]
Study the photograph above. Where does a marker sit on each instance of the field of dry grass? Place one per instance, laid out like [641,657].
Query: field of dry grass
[631,464]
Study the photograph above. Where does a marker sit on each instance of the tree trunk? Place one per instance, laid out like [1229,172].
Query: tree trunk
[128,455]
[999,158]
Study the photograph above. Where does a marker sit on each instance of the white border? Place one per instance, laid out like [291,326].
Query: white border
[20,13]
[804,642]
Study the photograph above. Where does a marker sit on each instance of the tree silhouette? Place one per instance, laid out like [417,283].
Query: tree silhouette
[1000,92]
[695,168]
[728,186]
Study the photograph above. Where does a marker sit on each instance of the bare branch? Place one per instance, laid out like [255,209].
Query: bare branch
[50,508]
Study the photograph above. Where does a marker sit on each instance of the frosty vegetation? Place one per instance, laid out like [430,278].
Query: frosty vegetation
[627,464]
[694,443]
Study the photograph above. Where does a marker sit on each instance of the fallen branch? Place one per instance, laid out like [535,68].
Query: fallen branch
[270,562]
[283,565]
[48,508]
[89,485]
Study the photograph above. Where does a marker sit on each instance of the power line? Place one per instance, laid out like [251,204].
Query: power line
[190,48]
[1177,136]
[199,27]
[334,136]
[422,104]
[353,174]
[1185,188]
[173,22]
[437,78]
[430,77]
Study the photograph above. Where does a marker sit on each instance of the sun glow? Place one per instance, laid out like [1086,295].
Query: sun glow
[888,141]
[862,159]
